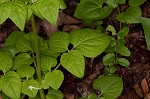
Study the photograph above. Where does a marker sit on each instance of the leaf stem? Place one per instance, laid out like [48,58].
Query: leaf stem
[57,66]
[37,56]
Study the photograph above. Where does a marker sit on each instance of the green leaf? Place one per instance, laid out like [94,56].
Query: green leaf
[30,88]
[111,29]
[3,1]
[54,94]
[26,71]
[54,79]
[73,62]
[30,11]
[108,58]
[123,32]
[11,84]
[49,10]
[114,3]
[124,51]
[132,15]
[92,9]
[47,62]
[20,59]
[59,42]
[123,62]
[51,53]
[110,70]
[92,96]
[62,4]
[110,86]
[5,61]
[24,44]
[136,2]
[146,25]
[18,13]
[89,42]
[11,40]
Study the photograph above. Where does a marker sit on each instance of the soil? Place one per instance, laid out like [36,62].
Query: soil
[136,77]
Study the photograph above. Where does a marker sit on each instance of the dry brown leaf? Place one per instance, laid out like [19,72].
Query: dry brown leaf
[147,96]
[138,90]
[145,87]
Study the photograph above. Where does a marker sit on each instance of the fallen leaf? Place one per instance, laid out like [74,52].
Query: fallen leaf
[147,96]
[145,87]
[138,90]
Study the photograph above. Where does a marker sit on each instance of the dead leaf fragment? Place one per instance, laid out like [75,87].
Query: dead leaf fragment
[145,87]
[138,90]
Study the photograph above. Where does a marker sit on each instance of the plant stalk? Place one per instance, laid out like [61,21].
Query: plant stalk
[37,56]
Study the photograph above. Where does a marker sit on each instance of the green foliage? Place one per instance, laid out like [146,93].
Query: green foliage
[146,25]
[136,2]
[132,15]
[73,62]
[21,59]
[92,9]
[11,84]
[110,86]
[59,42]
[6,62]
[123,62]
[90,43]
[54,79]
[30,88]
[26,71]
[54,94]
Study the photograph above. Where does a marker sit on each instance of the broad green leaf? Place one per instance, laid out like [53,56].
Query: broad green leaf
[11,49]
[51,53]
[146,25]
[114,3]
[36,12]
[111,29]
[136,2]
[108,58]
[5,61]
[20,59]
[3,1]
[110,86]
[18,13]
[132,15]
[5,10]
[73,62]
[123,62]
[11,85]
[54,94]
[26,71]
[47,62]
[123,32]
[49,10]
[92,9]
[62,4]
[59,42]
[30,11]
[110,70]
[54,79]
[5,96]
[25,43]
[121,42]
[89,42]
[124,51]
[30,88]
[13,37]
[92,96]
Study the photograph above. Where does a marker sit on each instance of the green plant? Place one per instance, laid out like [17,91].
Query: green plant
[29,63]
[96,10]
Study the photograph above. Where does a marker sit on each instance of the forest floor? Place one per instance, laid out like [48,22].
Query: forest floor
[136,77]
